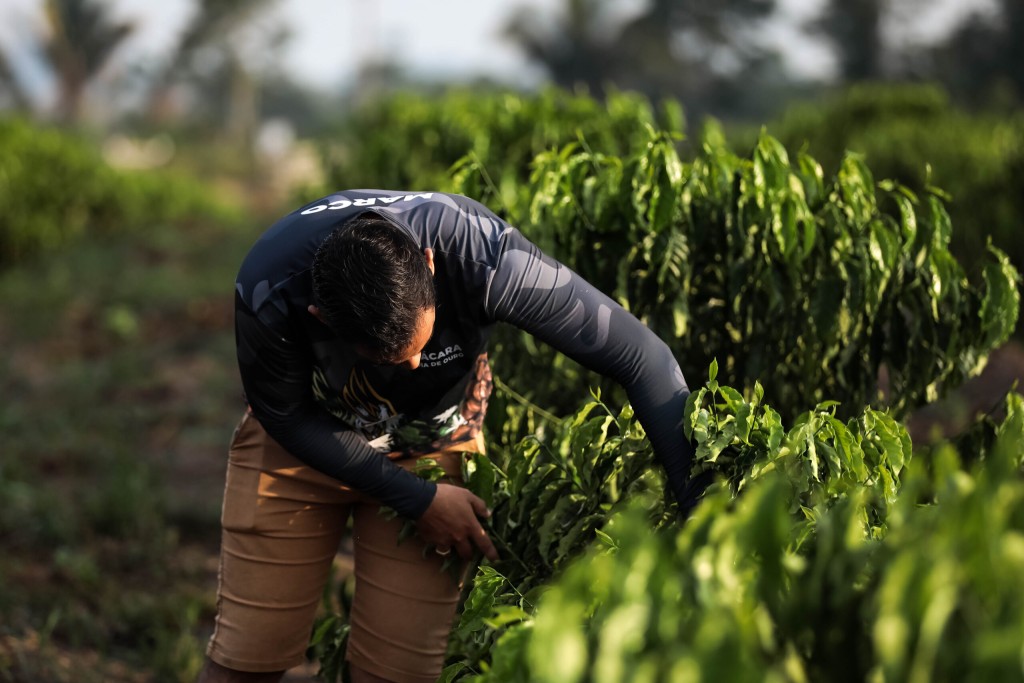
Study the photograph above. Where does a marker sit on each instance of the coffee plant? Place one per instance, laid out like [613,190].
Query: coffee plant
[762,587]
[549,503]
[914,135]
[820,289]
[413,140]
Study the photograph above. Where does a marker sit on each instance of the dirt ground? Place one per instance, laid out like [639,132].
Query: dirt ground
[978,396]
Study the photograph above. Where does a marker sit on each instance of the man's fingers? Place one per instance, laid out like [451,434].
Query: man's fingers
[479,535]
[483,541]
[456,519]
[487,548]
[479,506]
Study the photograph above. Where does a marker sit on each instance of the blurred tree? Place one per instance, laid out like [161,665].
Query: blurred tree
[83,36]
[853,28]
[706,54]
[75,44]
[983,59]
[576,50]
[306,109]
[673,48]
[217,58]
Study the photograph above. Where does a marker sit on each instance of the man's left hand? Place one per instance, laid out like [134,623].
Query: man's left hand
[452,521]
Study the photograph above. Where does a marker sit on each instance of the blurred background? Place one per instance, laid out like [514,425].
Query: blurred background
[257,79]
[266,73]
[144,146]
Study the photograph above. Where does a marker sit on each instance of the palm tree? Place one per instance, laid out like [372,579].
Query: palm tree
[82,38]
[215,24]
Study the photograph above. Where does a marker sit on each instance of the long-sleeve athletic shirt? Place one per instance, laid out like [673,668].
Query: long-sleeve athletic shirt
[350,418]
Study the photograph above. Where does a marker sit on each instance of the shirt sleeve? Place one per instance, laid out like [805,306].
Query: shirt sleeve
[276,379]
[547,299]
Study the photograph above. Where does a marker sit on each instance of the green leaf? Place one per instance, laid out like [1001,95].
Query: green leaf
[1001,303]
[450,672]
[607,540]
[504,615]
[722,440]
[330,623]
[554,523]
[481,481]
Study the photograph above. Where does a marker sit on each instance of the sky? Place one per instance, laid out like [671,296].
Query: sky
[331,37]
[447,38]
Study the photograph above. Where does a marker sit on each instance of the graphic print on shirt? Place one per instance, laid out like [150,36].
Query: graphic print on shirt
[359,405]
[365,409]
[441,357]
[474,403]
[461,422]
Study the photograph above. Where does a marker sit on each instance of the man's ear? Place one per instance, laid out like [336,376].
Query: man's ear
[315,312]
[429,253]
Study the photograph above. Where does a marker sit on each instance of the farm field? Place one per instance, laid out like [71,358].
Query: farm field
[865,512]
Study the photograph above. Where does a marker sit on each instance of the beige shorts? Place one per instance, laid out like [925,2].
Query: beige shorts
[282,523]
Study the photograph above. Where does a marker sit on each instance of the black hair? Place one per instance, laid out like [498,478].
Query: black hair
[371,283]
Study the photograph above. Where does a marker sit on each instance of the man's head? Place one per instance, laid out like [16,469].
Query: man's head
[374,287]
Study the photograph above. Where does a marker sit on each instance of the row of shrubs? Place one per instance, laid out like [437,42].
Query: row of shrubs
[805,281]
[914,135]
[814,563]
[808,562]
[55,187]
[910,133]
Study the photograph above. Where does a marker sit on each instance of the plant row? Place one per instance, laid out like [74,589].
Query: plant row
[909,133]
[824,552]
[914,135]
[816,287]
[56,187]
[836,284]
[829,290]
[411,141]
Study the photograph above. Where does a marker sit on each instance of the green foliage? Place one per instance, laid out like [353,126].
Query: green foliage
[328,645]
[761,587]
[912,134]
[835,290]
[413,141]
[809,281]
[551,502]
[810,285]
[549,499]
[55,188]
[822,457]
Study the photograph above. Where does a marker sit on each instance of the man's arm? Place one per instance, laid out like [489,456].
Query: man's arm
[276,376]
[536,293]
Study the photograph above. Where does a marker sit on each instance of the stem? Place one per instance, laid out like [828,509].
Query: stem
[507,548]
[491,186]
[512,586]
[525,402]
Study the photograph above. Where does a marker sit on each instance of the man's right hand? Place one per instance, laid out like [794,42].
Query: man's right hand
[452,521]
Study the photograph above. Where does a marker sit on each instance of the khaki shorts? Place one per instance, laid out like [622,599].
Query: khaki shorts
[282,523]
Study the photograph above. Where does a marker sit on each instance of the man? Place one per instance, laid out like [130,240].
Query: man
[362,322]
